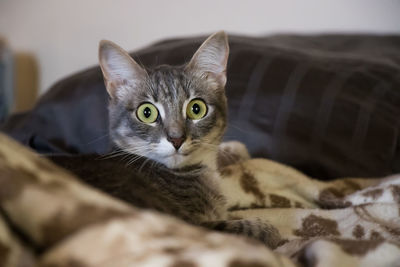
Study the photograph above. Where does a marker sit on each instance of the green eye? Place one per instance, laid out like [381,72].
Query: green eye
[147,113]
[196,109]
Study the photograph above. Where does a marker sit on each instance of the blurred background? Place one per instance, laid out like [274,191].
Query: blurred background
[43,41]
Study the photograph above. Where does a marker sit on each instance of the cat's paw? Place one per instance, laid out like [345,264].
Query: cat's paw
[230,153]
[254,229]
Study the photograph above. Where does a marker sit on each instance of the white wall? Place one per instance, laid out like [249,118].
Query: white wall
[63,35]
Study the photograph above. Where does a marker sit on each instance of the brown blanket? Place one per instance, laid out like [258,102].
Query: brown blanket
[347,222]
[48,218]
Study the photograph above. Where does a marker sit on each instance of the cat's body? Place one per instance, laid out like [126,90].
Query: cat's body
[191,194]
[176,116]
[183,193]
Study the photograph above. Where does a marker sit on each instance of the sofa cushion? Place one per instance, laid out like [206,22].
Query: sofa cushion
[328,104]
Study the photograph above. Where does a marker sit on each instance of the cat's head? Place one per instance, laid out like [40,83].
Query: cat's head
[175,115]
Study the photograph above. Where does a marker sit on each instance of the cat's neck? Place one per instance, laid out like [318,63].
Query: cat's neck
[208,160]
[204,163]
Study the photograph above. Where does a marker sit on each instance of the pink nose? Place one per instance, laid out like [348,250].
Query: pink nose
[176,142]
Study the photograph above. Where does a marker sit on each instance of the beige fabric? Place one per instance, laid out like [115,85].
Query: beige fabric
[73,225]
[78,226]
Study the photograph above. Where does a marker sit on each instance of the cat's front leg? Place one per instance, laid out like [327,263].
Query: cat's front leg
[252,228]
[230,153]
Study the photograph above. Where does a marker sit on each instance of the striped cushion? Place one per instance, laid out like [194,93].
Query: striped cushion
[328,105]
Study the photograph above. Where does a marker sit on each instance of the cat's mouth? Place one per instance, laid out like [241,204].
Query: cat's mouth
[183,152]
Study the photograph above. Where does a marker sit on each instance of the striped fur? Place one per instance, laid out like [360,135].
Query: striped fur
[187,187]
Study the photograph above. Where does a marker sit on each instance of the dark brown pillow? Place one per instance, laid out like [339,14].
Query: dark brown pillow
[328,105]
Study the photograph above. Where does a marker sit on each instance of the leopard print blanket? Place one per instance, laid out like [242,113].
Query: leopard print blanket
[49,218]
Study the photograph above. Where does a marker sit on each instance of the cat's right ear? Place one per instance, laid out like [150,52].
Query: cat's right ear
[121,73]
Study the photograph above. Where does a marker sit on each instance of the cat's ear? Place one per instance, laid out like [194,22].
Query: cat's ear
[211,58]
[121,73]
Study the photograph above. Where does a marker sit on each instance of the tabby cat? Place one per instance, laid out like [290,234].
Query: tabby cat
[172,119]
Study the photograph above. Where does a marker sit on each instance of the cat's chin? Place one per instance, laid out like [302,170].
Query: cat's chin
[174,161]
[179,160]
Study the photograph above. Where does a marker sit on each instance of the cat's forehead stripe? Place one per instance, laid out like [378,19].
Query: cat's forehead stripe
[169,83]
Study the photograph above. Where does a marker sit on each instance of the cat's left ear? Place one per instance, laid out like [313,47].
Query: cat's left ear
[211,59]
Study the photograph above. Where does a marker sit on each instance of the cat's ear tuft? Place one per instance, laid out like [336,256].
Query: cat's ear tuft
[211,59]
[121,73]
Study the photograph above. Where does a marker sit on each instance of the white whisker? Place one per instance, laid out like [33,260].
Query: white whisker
[97,139]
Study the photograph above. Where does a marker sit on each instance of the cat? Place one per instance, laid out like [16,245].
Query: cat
[173,118]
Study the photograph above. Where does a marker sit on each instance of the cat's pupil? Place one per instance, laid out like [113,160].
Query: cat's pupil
[147,112]
[196,109]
